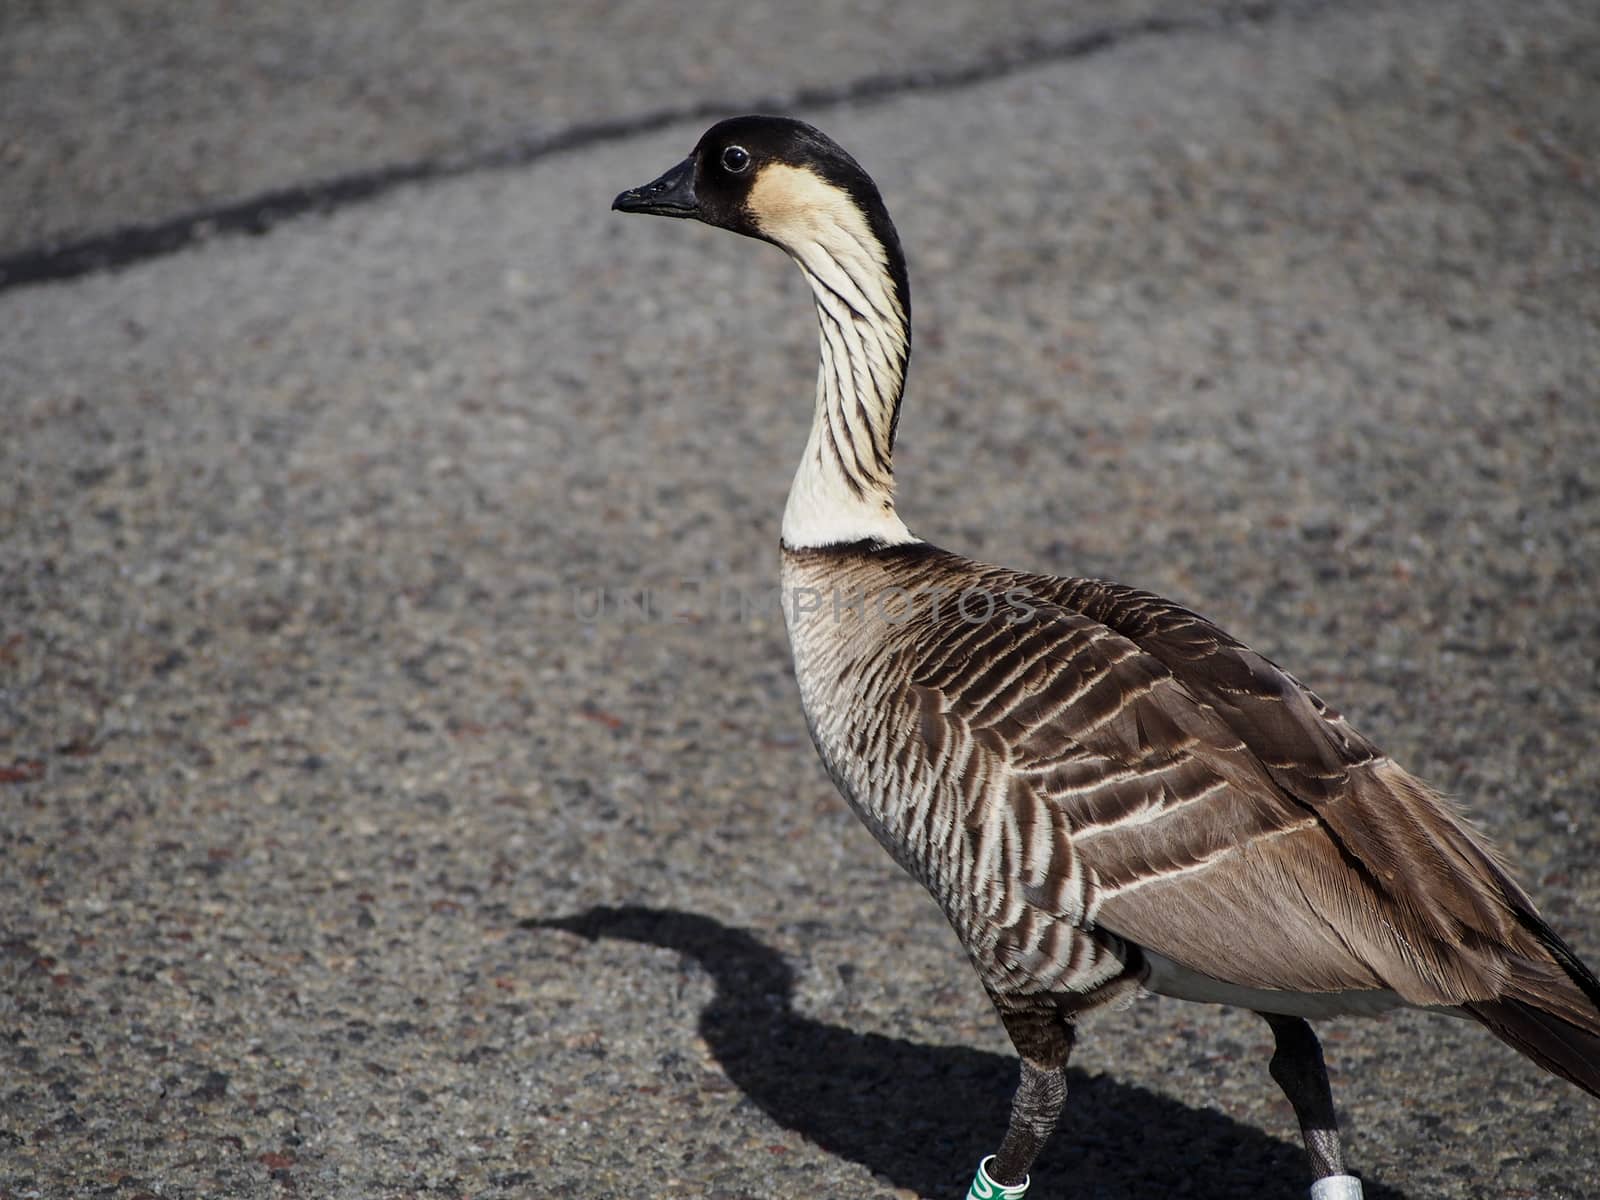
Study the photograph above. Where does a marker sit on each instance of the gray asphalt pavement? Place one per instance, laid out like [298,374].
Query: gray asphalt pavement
[114,114]
[362,837]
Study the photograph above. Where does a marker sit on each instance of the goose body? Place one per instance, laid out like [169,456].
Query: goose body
[1103,791]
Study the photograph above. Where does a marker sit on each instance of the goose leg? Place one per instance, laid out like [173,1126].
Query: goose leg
[1299,1070]
[1044,1041]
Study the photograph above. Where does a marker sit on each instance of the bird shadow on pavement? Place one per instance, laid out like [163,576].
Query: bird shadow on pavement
[920,1116]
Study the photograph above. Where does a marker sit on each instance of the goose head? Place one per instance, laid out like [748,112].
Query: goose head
[782,181]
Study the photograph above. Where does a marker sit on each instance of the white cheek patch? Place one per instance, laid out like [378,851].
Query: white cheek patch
[821,226]
[788,202]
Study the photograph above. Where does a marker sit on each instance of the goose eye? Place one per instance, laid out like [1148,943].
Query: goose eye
[735,159]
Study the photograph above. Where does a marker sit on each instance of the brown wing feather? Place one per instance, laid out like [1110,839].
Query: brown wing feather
[1166,809]
[1436,884]
[1396,826]
[1233,823]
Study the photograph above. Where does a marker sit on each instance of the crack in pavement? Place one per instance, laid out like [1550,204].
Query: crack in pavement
[259,214]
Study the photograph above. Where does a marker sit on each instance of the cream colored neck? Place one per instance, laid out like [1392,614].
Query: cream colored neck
[843,490]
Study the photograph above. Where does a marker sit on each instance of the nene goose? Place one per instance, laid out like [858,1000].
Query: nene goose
[1103,791]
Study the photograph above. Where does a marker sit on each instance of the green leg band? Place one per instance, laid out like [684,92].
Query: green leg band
[984,1188]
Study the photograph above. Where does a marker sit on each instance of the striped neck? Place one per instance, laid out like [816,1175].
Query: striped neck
[843,490]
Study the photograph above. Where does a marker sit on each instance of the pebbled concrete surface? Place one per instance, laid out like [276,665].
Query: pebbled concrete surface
[307,733]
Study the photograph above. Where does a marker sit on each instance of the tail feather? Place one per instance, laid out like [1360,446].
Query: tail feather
[1550,1011]
[1557,1045]
[1569,962]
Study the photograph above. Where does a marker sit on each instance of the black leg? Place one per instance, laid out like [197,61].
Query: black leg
[1299,1070]
[1034,1111]
[1044,1040]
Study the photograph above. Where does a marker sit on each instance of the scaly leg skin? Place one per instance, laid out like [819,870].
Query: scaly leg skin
[1299,1070]
[1044,1040]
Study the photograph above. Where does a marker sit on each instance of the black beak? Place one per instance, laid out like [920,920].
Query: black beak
[670,196]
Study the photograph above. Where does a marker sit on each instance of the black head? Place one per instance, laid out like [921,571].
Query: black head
[729,181]
[772,178]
